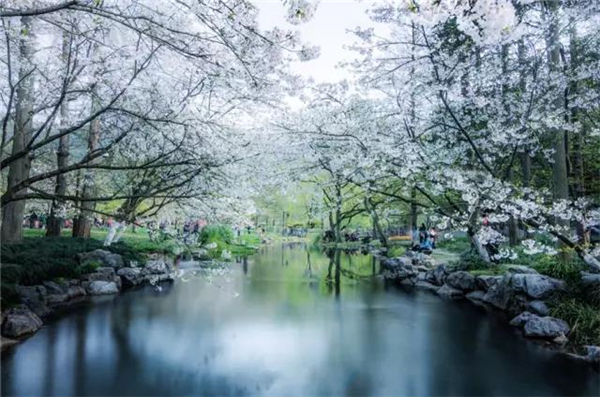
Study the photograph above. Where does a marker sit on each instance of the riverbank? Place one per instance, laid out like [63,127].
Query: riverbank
[80,271]
[532,301]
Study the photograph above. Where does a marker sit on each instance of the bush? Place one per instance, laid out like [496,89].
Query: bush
[470,260]
[39,259]
[583,318]
[395,251]
[216,234]
[553,266]
[456,244]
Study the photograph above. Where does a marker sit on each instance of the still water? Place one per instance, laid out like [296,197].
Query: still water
[287,321]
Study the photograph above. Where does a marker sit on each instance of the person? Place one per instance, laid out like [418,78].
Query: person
[33,220]
[426,246]
[422,233]
[432,235]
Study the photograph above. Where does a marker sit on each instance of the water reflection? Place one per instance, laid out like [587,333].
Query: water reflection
[324,324]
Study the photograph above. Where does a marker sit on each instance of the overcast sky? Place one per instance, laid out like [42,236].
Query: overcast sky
[326,29]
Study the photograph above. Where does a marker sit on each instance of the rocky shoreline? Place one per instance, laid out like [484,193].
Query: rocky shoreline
[521,293]
[38,302]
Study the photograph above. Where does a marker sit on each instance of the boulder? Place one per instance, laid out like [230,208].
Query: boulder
[475,296]
[106,258]
[75,291]
[461,280]
[536,286]
[20,321]
[520,269]
[546,327]
[103,274]
[159,264]
[427,286]
[130,276]
[521,319]
[53,288]
[35,298]
[449,292]
[5,343]
[561,340]
[593,354]
[485,282]
[500,294]
[590,279]
[394,263]
[54,299]
[437,275]
[538,307]
[102,288]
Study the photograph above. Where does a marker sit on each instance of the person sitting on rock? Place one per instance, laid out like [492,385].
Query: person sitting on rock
[426,246]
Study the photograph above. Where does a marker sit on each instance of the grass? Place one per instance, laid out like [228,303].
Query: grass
[583,317]
[456,244]
[243,245]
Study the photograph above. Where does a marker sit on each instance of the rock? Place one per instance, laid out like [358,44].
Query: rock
[461,280]
[103,257]
[475,296]
[399,269]
[538,307]
[394,263]
[546,327]
[106,274]
[520,269]
[6,343]
[427,286]
[593,354]
[522,319]
[102,288]
[422,268]
[54,299]
[500,294]
[437,275]
[54,288]
[130,276]
[75,291]
[35,298]
[410,282]
[590,279]
[537,286]
[561,340]
[449,292]
[20,321]
[485,282]
[160,265]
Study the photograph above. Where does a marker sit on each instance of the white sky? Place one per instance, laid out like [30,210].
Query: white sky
[327,29]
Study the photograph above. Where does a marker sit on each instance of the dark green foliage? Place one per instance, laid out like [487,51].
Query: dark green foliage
[38,259]
[552,266]
[457,244]
[216,234]
[583,318]
[470,260]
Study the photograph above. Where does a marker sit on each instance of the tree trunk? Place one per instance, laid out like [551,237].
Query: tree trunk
[83,223]
[559,167]
[13,212]
[375,219]
[56,218]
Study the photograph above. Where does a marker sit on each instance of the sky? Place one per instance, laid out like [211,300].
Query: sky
[327,28]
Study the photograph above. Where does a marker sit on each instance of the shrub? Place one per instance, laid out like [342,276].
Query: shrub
[583,318]
[39,259]
[395,251]
[553,266]
[216,234]
[456,244]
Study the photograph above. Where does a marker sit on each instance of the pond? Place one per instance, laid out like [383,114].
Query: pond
[287,321]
